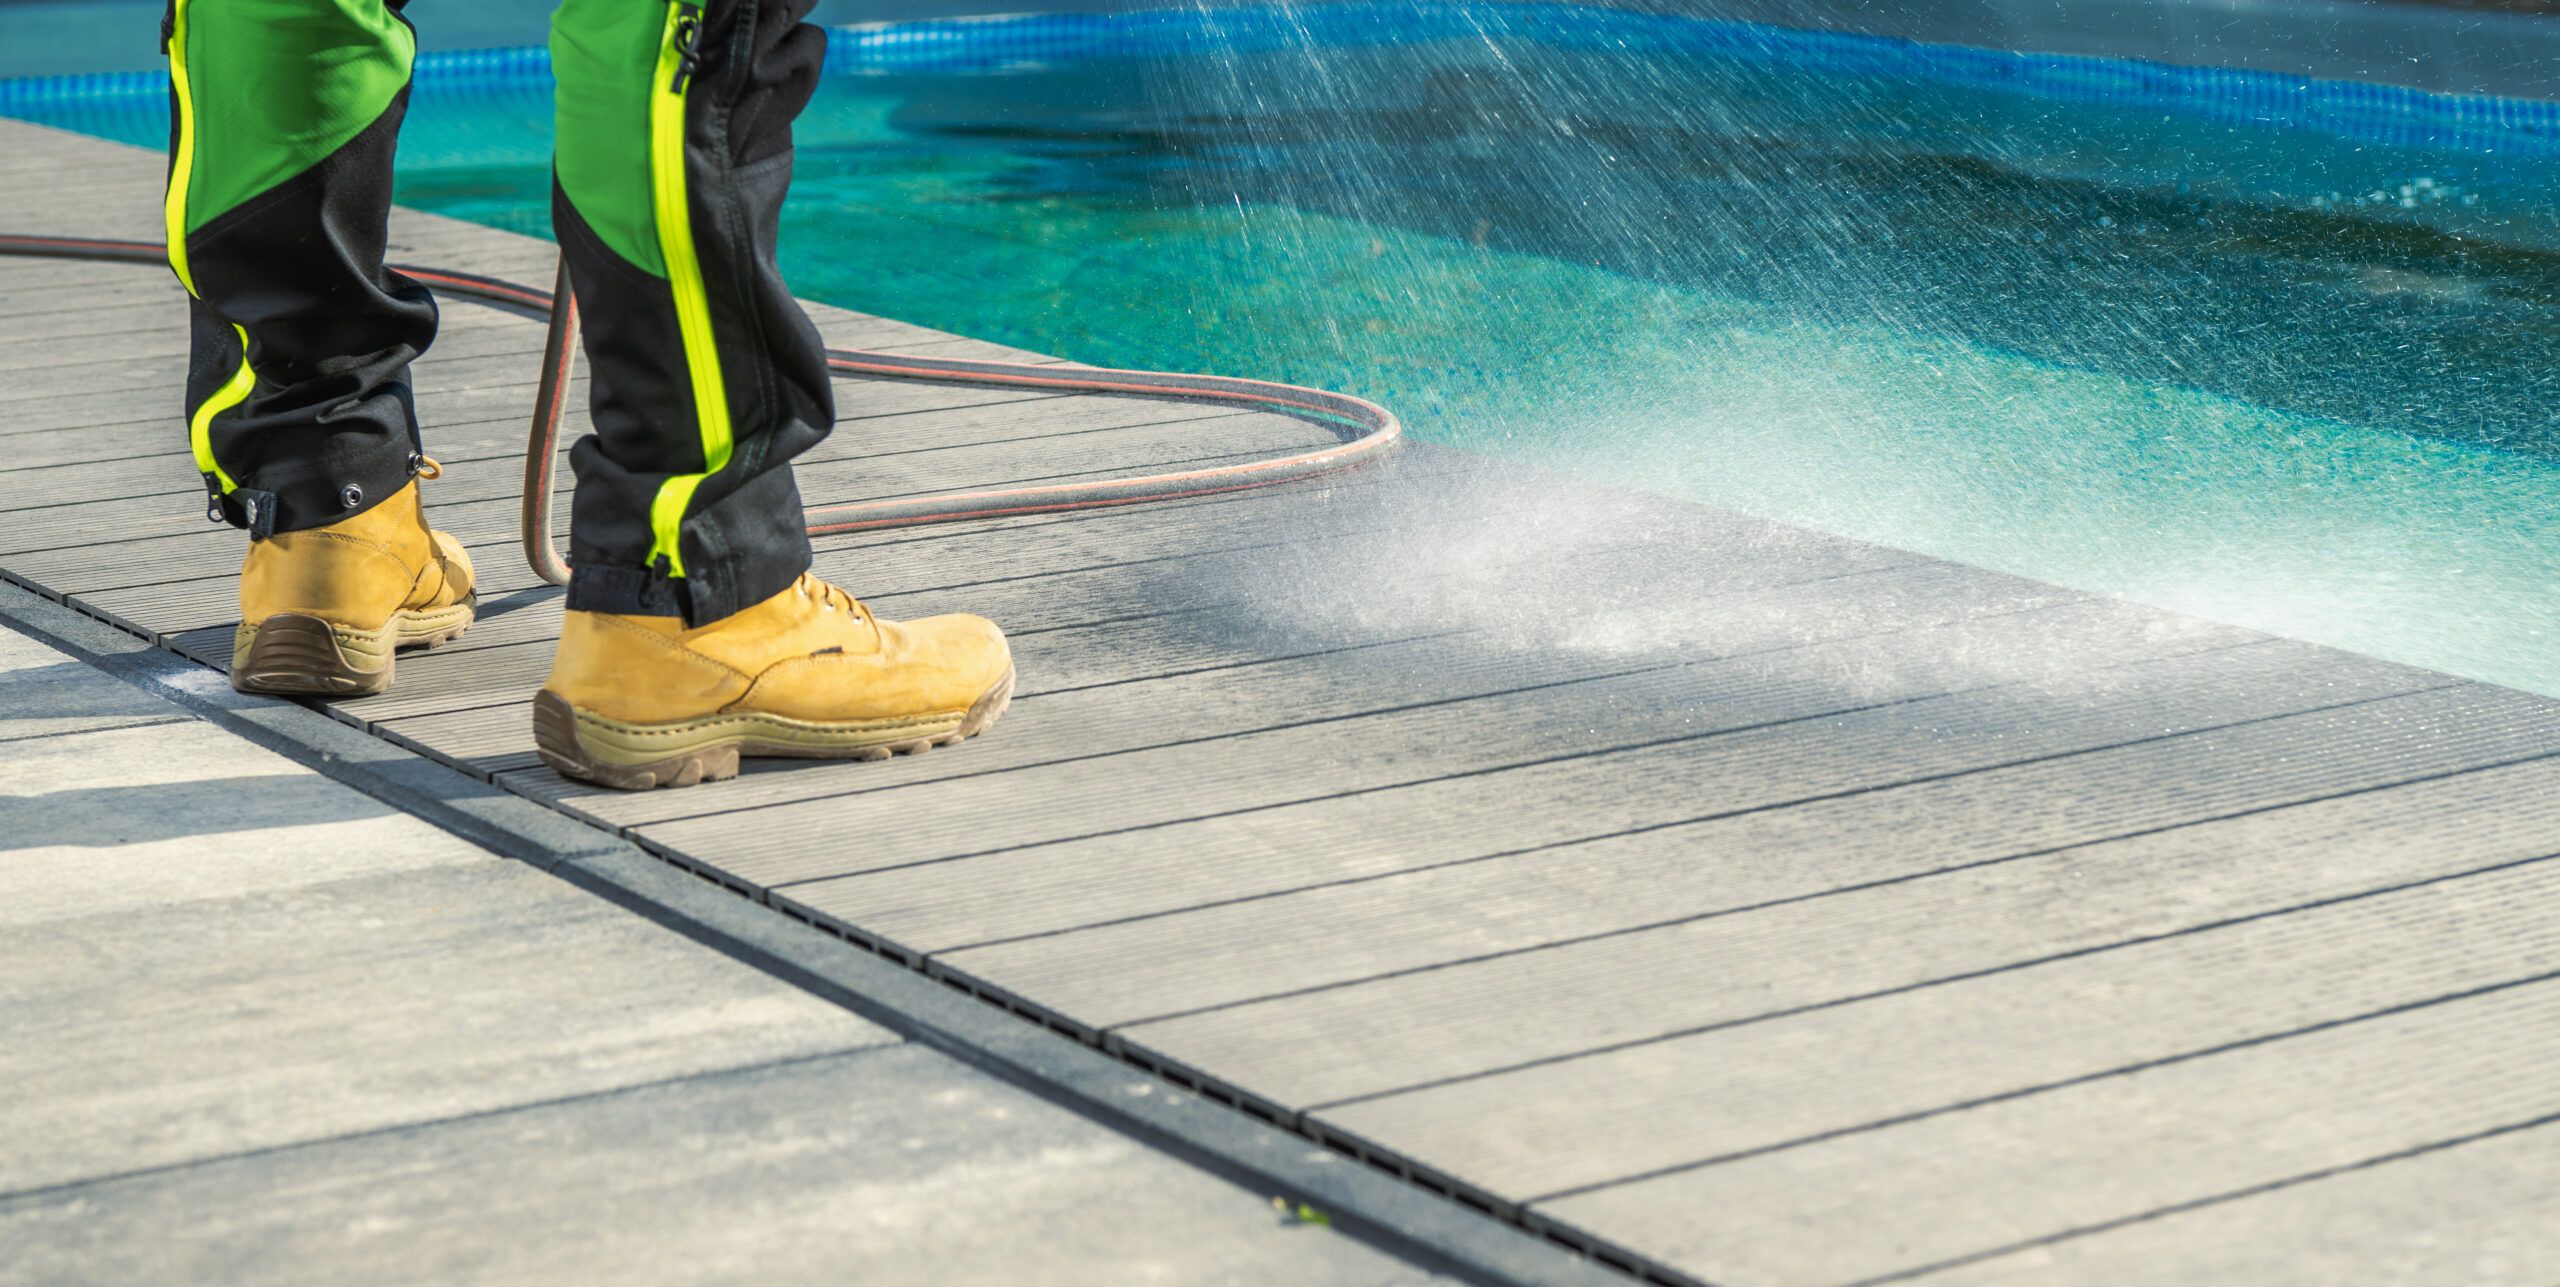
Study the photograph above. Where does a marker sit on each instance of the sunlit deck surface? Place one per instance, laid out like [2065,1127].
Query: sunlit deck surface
[1757,904]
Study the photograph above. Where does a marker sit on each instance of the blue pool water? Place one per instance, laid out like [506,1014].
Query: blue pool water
[2268,350]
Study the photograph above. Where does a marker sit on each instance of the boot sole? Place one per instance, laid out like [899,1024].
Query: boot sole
[639,757]
[291,655]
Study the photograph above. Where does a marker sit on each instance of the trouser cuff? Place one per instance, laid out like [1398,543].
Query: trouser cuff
[630,592]
[339,485]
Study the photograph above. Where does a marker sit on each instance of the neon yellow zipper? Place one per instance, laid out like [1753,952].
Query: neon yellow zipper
[233,392]
[684,274]
[182,167]
[174,214]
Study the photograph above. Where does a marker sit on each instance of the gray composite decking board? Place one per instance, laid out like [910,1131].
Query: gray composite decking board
[499,388]
[98,317]
[53,505]
[1821,945]
[495,357]
[480,734]
[1935,789]
[464,389]
[1038,432]
[491,739]
[111,199]
[92,326]
[494,522]
[177,607]
[1121,653]
[1074,596]
[24,272]
[491,425]
[40,528]
[510,363]
[42,271]
[495,734]
[1864,1065]
[1125,652]
[1472,881]
[1301,1048]
[1100,441]
[1143,984]
[1463,905]
[2485,1213]
[1835,593]
[151,311]
[1506,724]
[116,360]
[99,328]
[1352,686]
[119,292]
[1973,1182]
[1095,446]
[446,681]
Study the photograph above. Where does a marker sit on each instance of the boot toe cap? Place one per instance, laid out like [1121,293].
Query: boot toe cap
[459,576]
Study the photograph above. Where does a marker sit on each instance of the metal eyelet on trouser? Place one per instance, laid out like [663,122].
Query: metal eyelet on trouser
[350,496]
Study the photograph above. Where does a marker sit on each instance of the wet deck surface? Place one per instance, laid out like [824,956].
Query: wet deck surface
[1767,905]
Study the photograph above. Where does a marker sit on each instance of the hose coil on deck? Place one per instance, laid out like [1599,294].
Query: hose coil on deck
[1373,430]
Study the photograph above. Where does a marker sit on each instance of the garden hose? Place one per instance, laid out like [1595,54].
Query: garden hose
[1372,429]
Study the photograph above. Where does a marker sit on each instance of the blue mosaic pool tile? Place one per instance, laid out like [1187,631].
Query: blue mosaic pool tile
[2370,112]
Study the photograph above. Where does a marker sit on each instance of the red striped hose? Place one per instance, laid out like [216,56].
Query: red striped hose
[1373,430]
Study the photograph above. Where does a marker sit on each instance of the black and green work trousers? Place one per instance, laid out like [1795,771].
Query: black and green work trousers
[673,153]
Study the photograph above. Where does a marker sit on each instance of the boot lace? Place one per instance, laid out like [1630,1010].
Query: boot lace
[428,469]
[829,598]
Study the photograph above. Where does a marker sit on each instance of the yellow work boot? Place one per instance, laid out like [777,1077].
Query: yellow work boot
[641,702]
[322,609]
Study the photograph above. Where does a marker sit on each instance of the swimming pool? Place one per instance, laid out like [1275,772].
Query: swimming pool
[2270,351]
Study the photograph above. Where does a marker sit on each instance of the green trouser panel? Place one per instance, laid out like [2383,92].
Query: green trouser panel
[674,153]
[285,116]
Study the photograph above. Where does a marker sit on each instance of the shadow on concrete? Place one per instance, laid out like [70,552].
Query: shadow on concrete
[105,817]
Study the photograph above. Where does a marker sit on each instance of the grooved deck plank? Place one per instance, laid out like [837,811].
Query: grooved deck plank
[2485,1212]
[1468,907]
[1875,742]
[1602,1118]
[1107,451]
[1792,596]
[1475,881]
[1509,720]
[2023,1170]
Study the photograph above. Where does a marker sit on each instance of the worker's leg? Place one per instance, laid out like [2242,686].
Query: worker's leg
[674,151]
[694,635]
[285,115]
